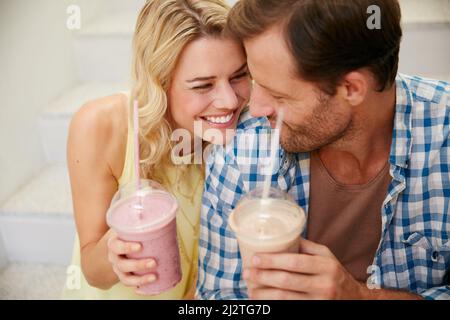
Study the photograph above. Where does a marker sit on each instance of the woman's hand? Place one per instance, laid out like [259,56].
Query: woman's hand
[126,268]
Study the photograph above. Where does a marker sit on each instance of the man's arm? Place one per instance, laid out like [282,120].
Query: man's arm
[315,273]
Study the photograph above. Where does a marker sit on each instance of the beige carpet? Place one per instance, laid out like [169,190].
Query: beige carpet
[20,281]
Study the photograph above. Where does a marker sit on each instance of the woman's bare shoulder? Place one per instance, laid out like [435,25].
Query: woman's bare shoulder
[101,116]
[99,127]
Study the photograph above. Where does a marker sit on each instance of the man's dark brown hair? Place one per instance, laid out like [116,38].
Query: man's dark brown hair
[327,38]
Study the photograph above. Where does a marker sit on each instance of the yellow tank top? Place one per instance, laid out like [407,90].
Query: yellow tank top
[185,182]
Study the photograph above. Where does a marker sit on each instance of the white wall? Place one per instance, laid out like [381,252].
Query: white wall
[36,63]
[425,51]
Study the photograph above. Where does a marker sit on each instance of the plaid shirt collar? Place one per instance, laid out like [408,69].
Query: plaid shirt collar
[402,138]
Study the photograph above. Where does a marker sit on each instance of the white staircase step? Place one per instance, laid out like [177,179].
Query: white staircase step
[425,12]
[119,23]
[54,121]
[36,222]
[20,281]
[48,193]
[103,48]
[126,5]
[3,256]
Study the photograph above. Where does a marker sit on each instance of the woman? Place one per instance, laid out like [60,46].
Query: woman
[184,70]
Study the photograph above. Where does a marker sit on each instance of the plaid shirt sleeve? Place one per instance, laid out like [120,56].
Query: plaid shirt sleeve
[437,293]
[414,254]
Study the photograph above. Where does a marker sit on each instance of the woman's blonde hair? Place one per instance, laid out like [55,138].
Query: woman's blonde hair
[163,30]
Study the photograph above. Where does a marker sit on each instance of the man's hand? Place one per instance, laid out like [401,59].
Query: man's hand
[315,273]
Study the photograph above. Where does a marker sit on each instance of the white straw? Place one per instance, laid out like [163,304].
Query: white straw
[274,147]
[137,177]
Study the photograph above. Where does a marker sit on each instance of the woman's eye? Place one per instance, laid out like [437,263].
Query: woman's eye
[239,76]
[202,87]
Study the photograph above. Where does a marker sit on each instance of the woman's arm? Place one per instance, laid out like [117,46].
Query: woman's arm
[93,186]
[96,152]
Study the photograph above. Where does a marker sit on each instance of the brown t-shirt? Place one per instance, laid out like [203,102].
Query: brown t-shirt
[346,218]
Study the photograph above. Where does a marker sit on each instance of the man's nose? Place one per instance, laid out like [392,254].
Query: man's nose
[260,104]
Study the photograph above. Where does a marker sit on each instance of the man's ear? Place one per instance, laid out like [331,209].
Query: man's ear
[354,87]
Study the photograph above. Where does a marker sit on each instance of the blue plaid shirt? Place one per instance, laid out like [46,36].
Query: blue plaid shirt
[414,250]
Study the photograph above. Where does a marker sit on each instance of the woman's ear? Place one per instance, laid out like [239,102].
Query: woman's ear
[355,86]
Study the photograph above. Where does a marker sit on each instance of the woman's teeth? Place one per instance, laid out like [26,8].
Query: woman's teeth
[220,120]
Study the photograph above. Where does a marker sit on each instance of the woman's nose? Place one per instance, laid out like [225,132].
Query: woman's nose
[227,98]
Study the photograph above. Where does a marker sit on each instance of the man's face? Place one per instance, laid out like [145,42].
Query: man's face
[312,119]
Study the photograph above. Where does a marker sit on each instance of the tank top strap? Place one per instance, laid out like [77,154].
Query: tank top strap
[128,167]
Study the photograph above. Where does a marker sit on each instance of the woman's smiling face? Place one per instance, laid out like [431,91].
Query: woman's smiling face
[210,85]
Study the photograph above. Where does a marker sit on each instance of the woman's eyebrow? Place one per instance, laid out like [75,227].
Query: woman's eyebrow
[214,77]
[201,79]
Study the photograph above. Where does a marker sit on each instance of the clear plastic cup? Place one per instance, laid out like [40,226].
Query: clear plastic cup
[148,215]
[266,225]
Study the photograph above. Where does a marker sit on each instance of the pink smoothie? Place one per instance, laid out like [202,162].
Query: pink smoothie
[151,220]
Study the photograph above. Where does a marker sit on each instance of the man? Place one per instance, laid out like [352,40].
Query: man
[366,154]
